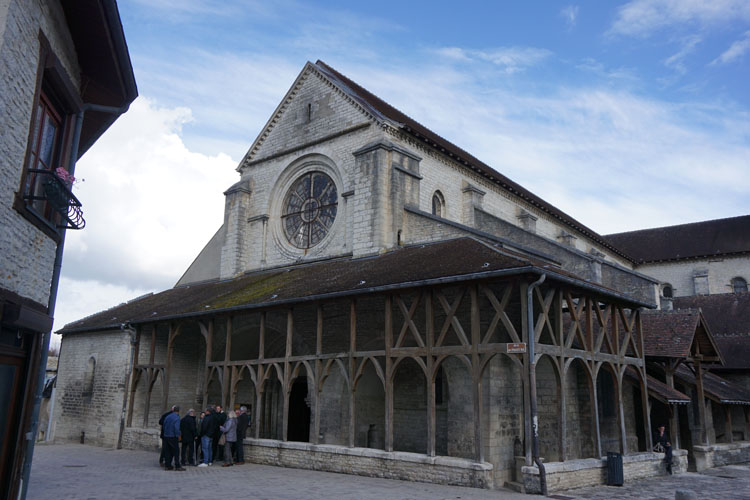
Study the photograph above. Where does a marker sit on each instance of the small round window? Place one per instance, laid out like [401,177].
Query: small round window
[309,209]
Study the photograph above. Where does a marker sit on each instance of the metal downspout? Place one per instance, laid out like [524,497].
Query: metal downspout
[532,385]
[52,302]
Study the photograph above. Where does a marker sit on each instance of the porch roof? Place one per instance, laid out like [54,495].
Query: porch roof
[659,390]
[671,334]
[456,260]
[715,387]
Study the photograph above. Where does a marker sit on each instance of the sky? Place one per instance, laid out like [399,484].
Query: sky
[625,115]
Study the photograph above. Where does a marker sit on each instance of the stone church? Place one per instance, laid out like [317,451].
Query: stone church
[386,304]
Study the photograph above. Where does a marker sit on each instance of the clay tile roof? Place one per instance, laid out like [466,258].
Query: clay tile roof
[728,316]
[659,389]
[715,387]
[686,241]
[669,333]
[422,134]
[447,261]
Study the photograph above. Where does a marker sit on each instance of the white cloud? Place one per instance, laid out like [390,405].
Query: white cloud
[510,59]
[643,17]
[570,15]
[735,51]
[677,60]
[150,203]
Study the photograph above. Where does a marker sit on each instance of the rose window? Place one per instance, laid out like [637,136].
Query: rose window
[309,209]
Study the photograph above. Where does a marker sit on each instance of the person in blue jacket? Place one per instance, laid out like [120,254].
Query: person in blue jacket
[172,439]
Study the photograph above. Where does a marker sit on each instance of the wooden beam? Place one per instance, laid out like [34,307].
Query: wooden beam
[674,422]
[352,371]
[317,375]
[563,417]
[701,402]
[728,423]
[225,386]
[286,384]
[168,371]
[388,373]
[476,374]
[621,411]
[595,412]
[430,376]
[524,376]
[135,375]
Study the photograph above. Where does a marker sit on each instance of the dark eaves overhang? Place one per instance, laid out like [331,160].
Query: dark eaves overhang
[552,275]
[107,78]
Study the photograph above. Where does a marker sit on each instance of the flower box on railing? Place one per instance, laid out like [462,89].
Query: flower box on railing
[54,188]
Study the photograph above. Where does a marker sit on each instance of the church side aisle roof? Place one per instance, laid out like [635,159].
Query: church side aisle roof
[422,134]
[456,260]
[686,241]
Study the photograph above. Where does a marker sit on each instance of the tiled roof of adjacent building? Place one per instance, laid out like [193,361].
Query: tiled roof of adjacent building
[426,136]
[686,241]
[449,261]
[669,334]
[728,316]
[715,387]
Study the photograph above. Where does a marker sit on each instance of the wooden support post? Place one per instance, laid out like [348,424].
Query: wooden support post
[746,410]
[226,382]
[286,384]
[621,411]
[149,388]
[525,377]
[352,371]
[701,402]
[135,376]
[388,373]
[728,423]
[168,370]
[317,376]
[206,368]
[476,374]
[647,416]
[595,412]
[674,422]
[562,422]
[430,378]
[259,402]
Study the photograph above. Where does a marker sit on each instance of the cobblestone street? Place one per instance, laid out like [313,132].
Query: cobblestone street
[86,472]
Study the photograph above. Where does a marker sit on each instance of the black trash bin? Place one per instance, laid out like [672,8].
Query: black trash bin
[615,475]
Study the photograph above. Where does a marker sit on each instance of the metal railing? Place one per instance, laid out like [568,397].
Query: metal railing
[47,187]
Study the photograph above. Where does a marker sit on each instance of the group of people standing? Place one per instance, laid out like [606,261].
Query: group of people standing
[215,434]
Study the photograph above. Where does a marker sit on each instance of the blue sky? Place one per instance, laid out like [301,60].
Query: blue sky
[626,115]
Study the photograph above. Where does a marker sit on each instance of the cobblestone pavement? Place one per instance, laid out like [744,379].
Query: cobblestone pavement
[731,482]
[85,472]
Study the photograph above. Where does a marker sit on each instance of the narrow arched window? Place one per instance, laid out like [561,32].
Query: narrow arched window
[88,381]
[739,285]
[667,291]
[438,204]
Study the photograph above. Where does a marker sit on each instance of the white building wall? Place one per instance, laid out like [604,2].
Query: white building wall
[26,254]
[680,274]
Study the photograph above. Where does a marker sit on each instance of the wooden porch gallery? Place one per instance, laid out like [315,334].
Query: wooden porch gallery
[438,366]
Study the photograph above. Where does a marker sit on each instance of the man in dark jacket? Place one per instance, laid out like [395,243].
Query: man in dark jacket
[221,417]
[243,421]
[189,432]
[661,443]
[209,434]
[172,438]
[163,454]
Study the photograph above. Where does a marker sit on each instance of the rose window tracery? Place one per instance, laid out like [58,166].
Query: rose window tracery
[309,209]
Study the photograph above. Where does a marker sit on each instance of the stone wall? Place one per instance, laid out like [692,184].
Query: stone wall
[92,401]
[712,275]
[717,455]
[593,471]
[26,254]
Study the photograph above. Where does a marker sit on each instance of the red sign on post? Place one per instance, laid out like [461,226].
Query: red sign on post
[519,348]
